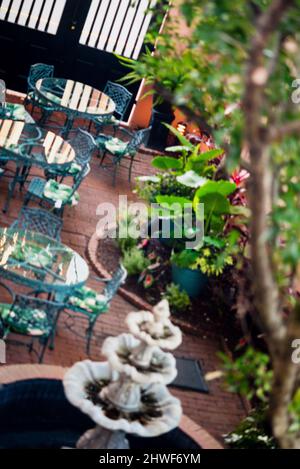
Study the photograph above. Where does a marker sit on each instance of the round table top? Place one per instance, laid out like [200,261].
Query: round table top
[29,141]
[41,263]
[75,96]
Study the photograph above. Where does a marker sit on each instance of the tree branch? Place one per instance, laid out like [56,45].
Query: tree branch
[261,180]
[279,133]
[266,291]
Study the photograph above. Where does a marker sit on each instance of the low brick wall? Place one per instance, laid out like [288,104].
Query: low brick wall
[9,374]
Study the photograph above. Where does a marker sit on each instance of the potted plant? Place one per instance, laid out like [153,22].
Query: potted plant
[186,274]
[191,267]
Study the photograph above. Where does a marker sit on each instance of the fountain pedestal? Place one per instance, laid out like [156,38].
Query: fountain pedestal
[128,393]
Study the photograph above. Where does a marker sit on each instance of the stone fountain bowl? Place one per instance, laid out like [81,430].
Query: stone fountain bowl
[35,413]
[162,367]
[160,414]
[140,323]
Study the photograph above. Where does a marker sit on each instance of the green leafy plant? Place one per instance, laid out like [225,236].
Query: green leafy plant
[294,410]
[134,261]
[124,240]
[253,432]
[250,374]
[178,299]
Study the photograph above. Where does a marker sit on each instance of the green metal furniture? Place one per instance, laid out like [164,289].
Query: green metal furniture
[75,99]
[41,263]
[39,221]
[28,145]
[91,304]
[30,317]
[12,110]
[16,112]
[84,145]
[48,196]
[121,97]
[36,73]
[125,147]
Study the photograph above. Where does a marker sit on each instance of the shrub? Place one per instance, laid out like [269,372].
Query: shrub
[253,432]
[125,243]
[178,299]
[135,261]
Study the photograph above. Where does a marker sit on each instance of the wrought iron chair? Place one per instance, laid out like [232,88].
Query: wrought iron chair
[120,149]
[36,192]
[84,145]
[121,97]
[38,220]
[30,317]
[37,72]
[22,169]
[91,304]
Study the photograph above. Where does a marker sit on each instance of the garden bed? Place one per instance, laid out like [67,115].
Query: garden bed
[209,314]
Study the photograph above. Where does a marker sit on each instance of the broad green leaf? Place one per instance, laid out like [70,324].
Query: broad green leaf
[184,141]
[224,188]
[154,179]
[169,200]
[212,241]
[208,155]
[166,163]
[177,149]
[191,179]
[214,204]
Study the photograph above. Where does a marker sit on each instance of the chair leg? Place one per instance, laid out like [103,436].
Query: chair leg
[53,332]
[42,354]
[130,169]
[11,190]
[102,158]
[89,335]
[115,173]
[44,117]
[26,200]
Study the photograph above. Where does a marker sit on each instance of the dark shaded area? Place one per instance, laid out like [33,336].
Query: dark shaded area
[35,414]
[24,46]
[190,375]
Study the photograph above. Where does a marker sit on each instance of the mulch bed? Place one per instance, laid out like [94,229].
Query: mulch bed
[211,313]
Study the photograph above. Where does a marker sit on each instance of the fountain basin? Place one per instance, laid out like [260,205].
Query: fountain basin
[143,364]
[84,384]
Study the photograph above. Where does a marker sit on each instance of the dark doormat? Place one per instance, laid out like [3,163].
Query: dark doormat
[190,376]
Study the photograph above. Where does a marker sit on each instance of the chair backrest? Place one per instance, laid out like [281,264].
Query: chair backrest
[78,178]
[39,221]
[50,308]
[139,138]
[2,93]
[38,71]
[114,284]
[84,145]
[121,97]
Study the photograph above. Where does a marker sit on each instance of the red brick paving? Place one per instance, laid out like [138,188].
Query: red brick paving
[217,412]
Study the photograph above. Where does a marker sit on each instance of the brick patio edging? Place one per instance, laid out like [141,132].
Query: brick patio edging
[12,373]
[134,299]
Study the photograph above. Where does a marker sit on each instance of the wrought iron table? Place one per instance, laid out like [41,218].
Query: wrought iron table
[28,145]
[41,263]
[75,99]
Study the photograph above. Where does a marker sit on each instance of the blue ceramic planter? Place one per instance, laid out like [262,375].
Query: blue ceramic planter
[192,281]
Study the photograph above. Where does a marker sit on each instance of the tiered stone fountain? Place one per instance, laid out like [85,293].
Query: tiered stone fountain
[128,393]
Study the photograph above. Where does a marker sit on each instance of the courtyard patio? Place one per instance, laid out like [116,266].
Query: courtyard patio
[217,412]
[149,226]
